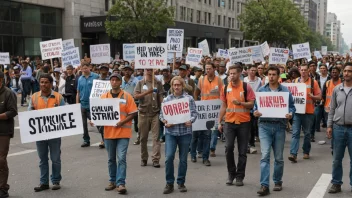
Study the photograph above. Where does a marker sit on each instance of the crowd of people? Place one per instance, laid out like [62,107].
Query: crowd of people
[45,85]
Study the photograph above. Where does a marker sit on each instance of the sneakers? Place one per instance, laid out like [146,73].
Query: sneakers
[194,160]
[252,150]
[101,145]
[41,187]
[111,186]
[200,155]
[239,181]
[293,159]
[306,156]
[312,139]
[230,179]
[56,186]
[212,154]
[277,187]
[263,191]
[335,188]
[182,188]
[206,162]
[169,188]
[85,144]
[121,189]
[144,163]
[4,194]
[156,164]
[137,142]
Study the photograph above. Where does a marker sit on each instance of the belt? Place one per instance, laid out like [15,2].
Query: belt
[271,122]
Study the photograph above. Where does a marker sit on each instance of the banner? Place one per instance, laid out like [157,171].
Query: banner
[151,56]
[194,56]
[68,44]
[51,49]
[257,54]
[99,87]
[278,56]
[105,112]
[170,57]
[4,58]
[265,48]
[301,51]
[243,55]
[317,54]
[222,53]
[208,115]
[175,40]
[205,47]
[71,57]
[324,50]
[50,123]
[176,111]
[299,93]
[272,104]
[129,51]
[100,53]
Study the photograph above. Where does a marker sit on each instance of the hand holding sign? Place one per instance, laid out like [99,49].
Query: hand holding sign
[257,114]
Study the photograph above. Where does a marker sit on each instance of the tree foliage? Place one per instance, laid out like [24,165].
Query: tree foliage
[139,20]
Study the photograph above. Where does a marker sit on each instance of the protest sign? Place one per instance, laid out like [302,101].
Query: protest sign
[4,58]
[243,55]
[222,53]
[208,115]
[51,49]
[175,40]
[278,56]
[194,56]
[50,123]
[205,47]
[151,56]
[299,93]
[176,111]
[170,57]
[272,104]
[105,112]
[100,53]
[129,51]
[301,51]
[68,44]
[265,48]
[324,50]
[257,54]
[99,87]
[317,54]
[71,57]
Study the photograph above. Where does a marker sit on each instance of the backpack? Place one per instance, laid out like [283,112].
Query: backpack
[244,90]
[311,83]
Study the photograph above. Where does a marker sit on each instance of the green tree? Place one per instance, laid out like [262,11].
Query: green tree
[139,20]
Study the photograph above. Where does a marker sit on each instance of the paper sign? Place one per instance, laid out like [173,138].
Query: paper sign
[4,58]
[68,44]
[243,55]
[129,51]
[299,93]
[151,56]
[176,111]
[51,49]
[175,40]
[71,57]
[272,104]
[205,47]
[105,112]
[194,56]
[170,57]
[257,54]
[222,53]
[278,56]
[318,55]
[50,123]
[265,48]
[100,53]
[99,87]
[324,50]
[301,51]
[208,115]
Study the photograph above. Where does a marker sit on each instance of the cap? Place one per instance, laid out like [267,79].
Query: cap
[197,69]
[1,74]
[166,68]
[103,66]
[183,67]
[289,60]
[115,75]
[222,64]
[128,67]
[283,76]
[57,70]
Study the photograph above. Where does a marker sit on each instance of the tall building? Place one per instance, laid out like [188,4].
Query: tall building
[333,29]
[321,16]
[308,9]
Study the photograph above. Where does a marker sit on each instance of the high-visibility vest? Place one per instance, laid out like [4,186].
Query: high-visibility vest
[236,113]
[210,90]
[310,89]
[329,89]
[39,103]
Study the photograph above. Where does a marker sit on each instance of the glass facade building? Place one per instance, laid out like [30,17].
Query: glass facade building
[23,26]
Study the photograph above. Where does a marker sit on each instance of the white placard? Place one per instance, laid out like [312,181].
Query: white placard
[151,56]
[257,54]
[100,53]
[176,111]
[170,57]
[99,87]
[129,51]
[4,58]
[301,51]
[194,56]
[272,104]
[71,57]
[68,44]
[105,112]
[208,115]
[265,48]
[205,47]
[243,55]
[222,53]
[51,49]
[278,55]
[50,123]
[299,93]
[324,50]
[175,40]
[317,54]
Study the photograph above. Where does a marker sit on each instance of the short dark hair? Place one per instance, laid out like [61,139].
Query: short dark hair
[336,68]
[250,66]
[236,67]
[274,68]
[47,76]
[312,63]
[85,64]
[348,64]
[69,67]
[212,64]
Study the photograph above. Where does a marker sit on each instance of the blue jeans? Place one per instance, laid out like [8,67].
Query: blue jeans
[43,147]
[16,90]
[27,86]
[214,140]
[205,136]
[171,143]
[305,121]
[318,114]
[342,138]
[117,147]
[271,135]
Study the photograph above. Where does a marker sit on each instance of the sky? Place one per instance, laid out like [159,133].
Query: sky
[343,11]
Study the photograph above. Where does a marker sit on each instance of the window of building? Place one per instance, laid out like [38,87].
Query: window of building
[205,1]
[191,19]
[224,21]
[230,4]
[229,22]
[233,23]
[205,18]
[106,5]
[238,7]
[181,13]
[219,20]
[233,5]
[238,24]
[198,16]
[209,18]
[209,2]
[188,14]
[219,3]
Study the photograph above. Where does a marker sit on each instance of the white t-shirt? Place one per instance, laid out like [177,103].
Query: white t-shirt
[322,81]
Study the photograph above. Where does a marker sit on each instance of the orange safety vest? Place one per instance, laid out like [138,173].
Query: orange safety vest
[210,90]
[329,89]
[39,103]
[236,113]
[127,106]
[310,89]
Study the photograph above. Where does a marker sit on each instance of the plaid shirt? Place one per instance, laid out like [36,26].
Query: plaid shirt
[181,129]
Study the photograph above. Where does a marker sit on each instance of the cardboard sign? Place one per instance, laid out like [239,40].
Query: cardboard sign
[105,112]
[205,47]
[68,44]
[301,51]
[50,123]
[324,50]
[208,115]
[175,40]
[222,53]
[51,49]
[194,56]
[129,51]
[265,48]
[243,55]
[100,53]
[71,57]
[151,56]
[299,93]
[317,54]
[99,87]
[170,57]
[176,111]
[257,54]
[272,104]
[278,56]
[4,58]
